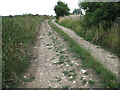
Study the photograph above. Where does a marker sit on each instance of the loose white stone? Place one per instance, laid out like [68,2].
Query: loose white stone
[35,47]
[65,69]
[65,80]
[71,76]
[91,79]
[25,76]
[64,49]
[76,63]
[87,83]
[67,65]
[49,84]
[40,37]
[50,65]
[83,78]
[72,61]
[41,74]
[83,71]
[48,60]
[74,81]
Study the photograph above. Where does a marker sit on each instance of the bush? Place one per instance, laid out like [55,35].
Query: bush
[97,12]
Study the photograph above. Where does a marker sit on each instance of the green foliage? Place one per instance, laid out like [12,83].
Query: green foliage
[109,79]
[61,9]
[30,79]
[97,12]
[91,82]
[66,86]
[108,39]
[100,24]
[18,34]
[77,11]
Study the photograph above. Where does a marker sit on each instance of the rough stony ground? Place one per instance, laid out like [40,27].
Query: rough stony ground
[109,60]
[53,66]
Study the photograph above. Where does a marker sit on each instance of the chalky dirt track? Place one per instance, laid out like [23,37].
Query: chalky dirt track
[54,66]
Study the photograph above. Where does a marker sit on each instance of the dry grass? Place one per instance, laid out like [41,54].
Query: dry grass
[108,39]
[18,34]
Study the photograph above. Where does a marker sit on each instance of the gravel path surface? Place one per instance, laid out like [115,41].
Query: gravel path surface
[54,66]
[109,60]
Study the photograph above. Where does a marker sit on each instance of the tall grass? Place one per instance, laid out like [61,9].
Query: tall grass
[18,34]
[106,38]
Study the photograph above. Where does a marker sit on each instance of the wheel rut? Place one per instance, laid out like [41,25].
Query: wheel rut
[109,61]
[54,66]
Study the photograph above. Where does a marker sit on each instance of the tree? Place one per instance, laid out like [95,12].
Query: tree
[61,9]
[77,11]
[97,12]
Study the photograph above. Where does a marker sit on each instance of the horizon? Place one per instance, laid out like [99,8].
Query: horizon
[33,7]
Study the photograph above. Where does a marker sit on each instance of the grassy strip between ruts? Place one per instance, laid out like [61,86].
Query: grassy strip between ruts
[109,79]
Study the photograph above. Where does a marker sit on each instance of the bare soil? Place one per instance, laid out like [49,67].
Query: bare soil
[109,61]
[53,66]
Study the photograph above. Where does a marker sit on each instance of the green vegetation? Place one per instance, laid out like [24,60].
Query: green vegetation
[66,86]
[30,79]
[108,39]
[109,79]
[84,81]
[18,34]
[99,25]
[70,73]
[98,12]
[61,9]
[91,82]
[77,11]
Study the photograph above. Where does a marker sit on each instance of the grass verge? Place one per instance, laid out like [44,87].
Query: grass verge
[18,35]
[108,39]
[109,79]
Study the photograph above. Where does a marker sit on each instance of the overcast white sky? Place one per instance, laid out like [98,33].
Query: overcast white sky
[42,7]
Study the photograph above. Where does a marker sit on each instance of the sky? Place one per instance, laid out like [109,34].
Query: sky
[42,7]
